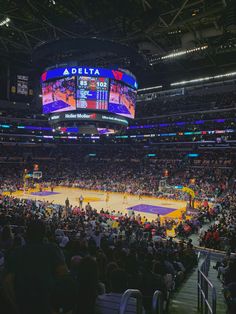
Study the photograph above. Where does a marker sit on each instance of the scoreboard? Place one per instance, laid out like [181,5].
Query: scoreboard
[82,88]
[92,93]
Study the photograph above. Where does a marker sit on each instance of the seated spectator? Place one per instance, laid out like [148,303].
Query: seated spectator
[152,281]
[31,272]
[88,285]
[230,272]
[230,297]
[109,303]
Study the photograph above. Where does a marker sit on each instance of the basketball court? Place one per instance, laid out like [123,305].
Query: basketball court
[146,206]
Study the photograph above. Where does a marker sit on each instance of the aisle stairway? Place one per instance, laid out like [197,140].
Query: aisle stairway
[184,300]
[212,275]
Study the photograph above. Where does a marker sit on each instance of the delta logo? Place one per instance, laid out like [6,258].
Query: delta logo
[81,71]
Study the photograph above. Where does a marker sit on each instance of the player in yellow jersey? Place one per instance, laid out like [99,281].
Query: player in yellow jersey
[107,199]
[125,197]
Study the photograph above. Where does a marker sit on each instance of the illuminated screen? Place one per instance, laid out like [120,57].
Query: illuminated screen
[105,131]
[92,93]
[88,92]
[122,99]
[59,95]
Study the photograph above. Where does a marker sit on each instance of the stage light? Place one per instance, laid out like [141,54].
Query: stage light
[52,2]
[202,79]
[5,21]
[149,88]
[47,136]
[184,52]
[176,54]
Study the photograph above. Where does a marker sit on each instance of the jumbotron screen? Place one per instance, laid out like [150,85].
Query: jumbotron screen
[59,95]
[92,93]
[122,99]
[108,90]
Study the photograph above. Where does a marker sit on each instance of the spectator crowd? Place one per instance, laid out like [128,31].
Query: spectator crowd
[83,261]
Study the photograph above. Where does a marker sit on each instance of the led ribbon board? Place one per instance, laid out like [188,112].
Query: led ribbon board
[85,116]
[117,75]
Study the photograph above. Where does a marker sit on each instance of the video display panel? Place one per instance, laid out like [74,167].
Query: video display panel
[122,99]
[92,93]
[59,95]
[77,92]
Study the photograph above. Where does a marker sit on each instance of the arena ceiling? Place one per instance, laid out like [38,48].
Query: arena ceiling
[153,28]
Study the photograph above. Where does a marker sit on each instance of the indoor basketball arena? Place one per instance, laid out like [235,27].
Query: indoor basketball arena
[117,157]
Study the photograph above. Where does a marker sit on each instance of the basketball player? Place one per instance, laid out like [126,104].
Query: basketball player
[125,196]
[11,190]
[140,196]
[67,206]
[81,199]
[52,187]
[107,198]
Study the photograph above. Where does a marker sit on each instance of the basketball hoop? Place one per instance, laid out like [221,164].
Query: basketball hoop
[37,174]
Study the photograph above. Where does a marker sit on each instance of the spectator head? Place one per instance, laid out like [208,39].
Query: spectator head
[74,263]
[87,271]
[118,281]
[35,231]
[87,279]
[63,297]
[232,264]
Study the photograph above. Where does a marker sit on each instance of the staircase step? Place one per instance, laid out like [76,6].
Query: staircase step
[212,275]
[184,300]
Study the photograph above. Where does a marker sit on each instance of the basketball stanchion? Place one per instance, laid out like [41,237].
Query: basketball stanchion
[38,175]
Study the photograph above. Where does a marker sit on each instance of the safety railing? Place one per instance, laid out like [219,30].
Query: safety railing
[206,264]
[157,303]
[125,301]
[206,290]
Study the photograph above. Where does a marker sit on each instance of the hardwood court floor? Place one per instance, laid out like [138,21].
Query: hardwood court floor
[147,206]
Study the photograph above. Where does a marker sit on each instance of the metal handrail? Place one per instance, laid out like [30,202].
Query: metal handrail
[198,256]
[125,298]
[203,289]
[157,303]
[206,265]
